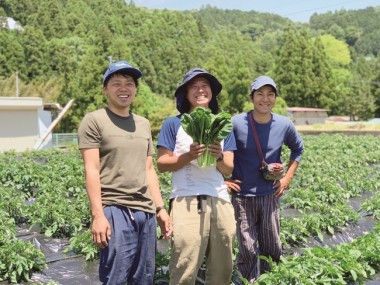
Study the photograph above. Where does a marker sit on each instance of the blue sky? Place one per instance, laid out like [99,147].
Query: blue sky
[296,10]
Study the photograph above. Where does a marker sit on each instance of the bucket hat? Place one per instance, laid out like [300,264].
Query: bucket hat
[262,81]
[121,66]
[183,104]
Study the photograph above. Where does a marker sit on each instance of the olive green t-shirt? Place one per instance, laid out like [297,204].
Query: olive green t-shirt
[124,144]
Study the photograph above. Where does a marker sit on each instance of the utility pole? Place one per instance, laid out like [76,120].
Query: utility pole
[17,93]
[110,59]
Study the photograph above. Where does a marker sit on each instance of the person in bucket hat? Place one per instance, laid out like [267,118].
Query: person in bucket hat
[121,182]
[203,219]
[183,105]
[255,199]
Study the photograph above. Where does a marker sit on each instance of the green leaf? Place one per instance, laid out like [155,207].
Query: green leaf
[320,235]
[206,128]
[354,275]
[48,233]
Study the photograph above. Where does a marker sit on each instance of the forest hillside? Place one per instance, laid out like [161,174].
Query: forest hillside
[64,47]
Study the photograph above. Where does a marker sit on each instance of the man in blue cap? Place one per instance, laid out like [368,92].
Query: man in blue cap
[256,199]
[203,219]
[121,182]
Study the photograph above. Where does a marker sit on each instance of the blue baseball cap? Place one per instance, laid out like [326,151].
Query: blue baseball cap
[183,104]
[121,66]
[262,81]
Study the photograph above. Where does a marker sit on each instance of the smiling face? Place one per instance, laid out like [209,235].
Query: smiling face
[264,100]
[199,93]
[120,90]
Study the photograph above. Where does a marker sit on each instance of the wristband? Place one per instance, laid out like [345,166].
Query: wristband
[159,208]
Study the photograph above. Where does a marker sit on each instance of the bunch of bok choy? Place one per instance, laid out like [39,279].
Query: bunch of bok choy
[206,128]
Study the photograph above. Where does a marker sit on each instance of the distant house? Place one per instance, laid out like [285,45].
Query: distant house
[11,24]
[23,122]
[307,116]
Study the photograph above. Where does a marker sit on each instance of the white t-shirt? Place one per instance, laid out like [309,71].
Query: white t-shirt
[191,179]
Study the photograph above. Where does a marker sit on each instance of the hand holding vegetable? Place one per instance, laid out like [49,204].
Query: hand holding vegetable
[196,150]
[215,149]
[209,130]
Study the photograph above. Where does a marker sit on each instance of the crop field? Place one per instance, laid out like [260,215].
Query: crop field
[330,216]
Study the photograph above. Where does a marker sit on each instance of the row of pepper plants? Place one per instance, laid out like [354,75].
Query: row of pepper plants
[45,190]
[333,170]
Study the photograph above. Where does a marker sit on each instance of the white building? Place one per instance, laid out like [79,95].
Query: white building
[307,116]
[23,123]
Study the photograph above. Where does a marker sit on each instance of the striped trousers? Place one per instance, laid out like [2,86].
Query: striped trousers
[258,233]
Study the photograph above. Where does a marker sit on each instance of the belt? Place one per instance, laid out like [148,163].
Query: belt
[202,203]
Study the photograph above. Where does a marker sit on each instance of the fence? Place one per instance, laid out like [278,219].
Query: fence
[64,139]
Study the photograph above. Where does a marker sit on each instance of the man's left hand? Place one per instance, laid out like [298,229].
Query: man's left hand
[165,223]
[281,186]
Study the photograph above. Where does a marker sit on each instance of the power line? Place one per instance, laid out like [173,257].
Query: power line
[319,8]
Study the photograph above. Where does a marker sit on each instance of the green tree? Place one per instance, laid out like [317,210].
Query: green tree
[308,96]
[280,107]
[336,31]
[342,78]
[303,71]
[85,87]
[292,70]
[323,85]
[358,28]
[66,46]
[3,18]
[50,18]
[352,35]
[153,107]
[337,51]
[225,57]
[35,50]
[369,43]
[361,105]
[19,10]
[80,17]
[339,58]
[375,87]
[11,54]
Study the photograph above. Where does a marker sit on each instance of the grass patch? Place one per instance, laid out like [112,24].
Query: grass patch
[351,126]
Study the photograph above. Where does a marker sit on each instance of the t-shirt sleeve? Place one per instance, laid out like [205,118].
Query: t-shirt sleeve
[89,133]
[229,142]
[294,142]
[168,133]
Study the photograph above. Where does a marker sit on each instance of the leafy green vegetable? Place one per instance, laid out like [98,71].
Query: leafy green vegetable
[206,128]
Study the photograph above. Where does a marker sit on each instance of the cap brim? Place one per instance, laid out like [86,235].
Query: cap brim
[135,73]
